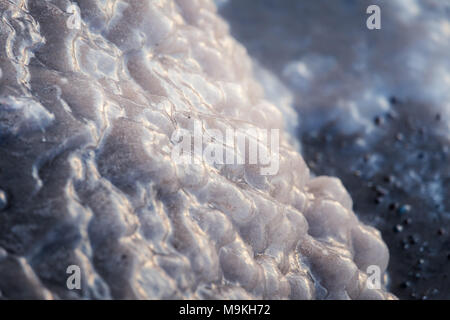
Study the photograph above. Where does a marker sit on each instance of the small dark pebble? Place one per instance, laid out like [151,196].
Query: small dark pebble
[407,221]
[378,200]
[438,117]
[378,121]
[441,232]
[405,284]
[413,240]
[389,179]
[393,206]
[393,100]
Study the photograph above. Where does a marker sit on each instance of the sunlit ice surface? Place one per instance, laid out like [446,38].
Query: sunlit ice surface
[90,98]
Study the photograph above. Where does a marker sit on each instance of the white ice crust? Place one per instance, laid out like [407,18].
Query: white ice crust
[86,118]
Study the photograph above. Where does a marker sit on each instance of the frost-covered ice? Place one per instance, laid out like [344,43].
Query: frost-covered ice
[87,179]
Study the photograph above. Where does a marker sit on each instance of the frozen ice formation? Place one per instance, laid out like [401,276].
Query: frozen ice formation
[87,111]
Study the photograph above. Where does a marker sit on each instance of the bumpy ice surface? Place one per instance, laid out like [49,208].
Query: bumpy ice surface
[87,177]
